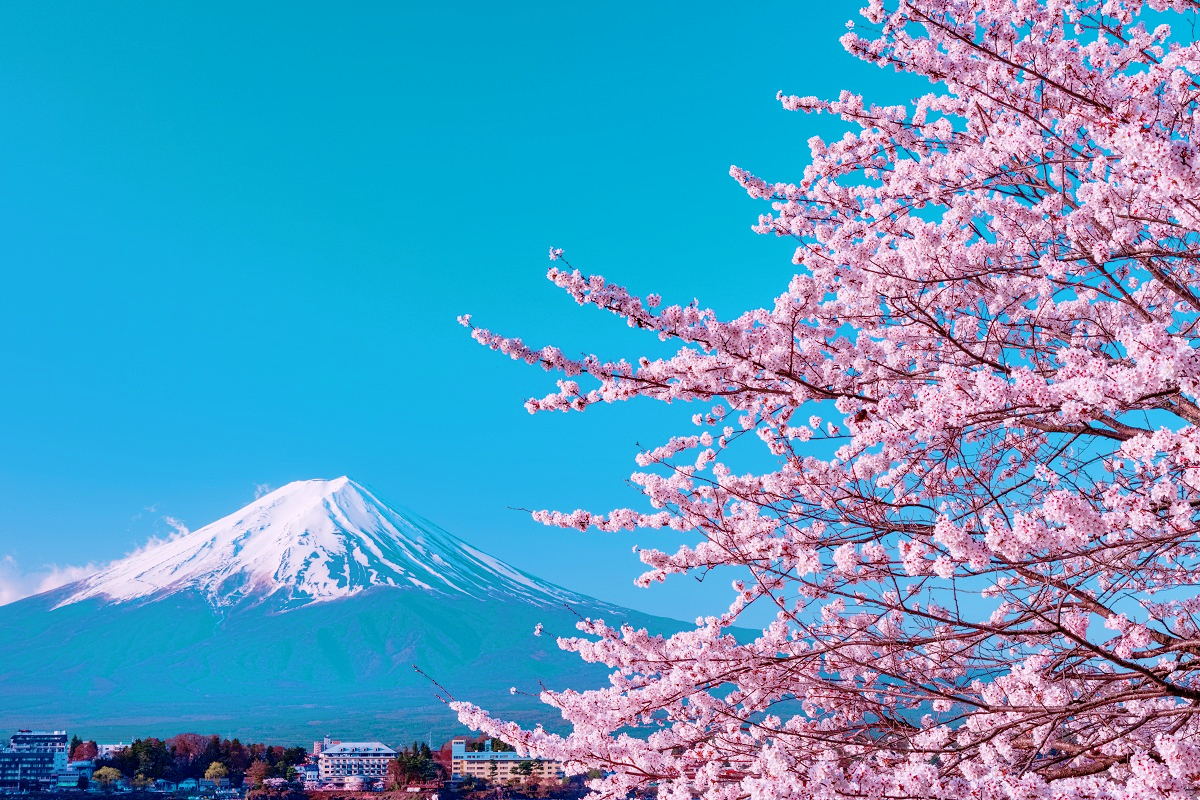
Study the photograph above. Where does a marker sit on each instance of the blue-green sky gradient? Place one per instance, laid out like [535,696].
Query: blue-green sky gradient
[235,238]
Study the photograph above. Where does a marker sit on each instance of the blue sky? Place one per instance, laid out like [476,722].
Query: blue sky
[235,238]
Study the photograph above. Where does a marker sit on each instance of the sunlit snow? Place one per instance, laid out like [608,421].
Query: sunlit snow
[314,541]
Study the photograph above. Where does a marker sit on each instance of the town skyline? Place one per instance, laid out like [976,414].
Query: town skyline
[57,761]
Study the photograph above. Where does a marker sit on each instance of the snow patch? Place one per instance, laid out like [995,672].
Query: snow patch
[314,541]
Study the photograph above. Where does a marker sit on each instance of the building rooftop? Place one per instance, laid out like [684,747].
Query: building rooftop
[346,748]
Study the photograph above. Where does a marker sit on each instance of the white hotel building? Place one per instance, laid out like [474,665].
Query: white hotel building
[338,761]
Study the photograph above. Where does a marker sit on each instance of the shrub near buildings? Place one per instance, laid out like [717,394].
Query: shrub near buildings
[414,765]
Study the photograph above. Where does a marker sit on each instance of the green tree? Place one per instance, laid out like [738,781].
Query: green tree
[106,777]
[412,765]
[212,750]
[498,746]
[215,772]
[150,758]
[288,759]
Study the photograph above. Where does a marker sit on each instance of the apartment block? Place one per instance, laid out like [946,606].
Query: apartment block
[32,760]
[496,765]
[359,760]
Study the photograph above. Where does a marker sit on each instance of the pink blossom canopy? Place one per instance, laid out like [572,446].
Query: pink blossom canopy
[989,591]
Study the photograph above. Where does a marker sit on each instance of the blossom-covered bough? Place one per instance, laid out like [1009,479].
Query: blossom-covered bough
[990,590]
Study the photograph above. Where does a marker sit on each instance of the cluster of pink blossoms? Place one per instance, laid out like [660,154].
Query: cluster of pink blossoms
[990,589]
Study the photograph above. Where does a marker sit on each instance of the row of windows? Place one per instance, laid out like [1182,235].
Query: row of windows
[351,770]
[503,765]
[481,768]
[364,772]
[504,768]
[356,754]
[9,768]
[474,768]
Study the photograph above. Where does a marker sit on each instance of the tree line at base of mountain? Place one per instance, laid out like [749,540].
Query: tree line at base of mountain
[212,758]
[190,755]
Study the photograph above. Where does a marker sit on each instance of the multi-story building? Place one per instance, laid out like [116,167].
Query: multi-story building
[496,765]
[33,759]
[74,775]
[359,760]
[109,750]
[308,773]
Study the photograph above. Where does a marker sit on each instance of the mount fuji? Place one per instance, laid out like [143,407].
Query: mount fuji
[302,613]
[315,541]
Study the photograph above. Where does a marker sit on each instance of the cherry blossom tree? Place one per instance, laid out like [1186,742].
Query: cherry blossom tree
[978,532]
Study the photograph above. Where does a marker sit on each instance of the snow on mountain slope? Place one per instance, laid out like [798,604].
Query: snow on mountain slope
[314,541]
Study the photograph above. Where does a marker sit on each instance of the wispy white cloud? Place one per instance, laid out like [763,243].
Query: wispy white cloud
[11,581]
[16,583]
[261,488]
[56,576]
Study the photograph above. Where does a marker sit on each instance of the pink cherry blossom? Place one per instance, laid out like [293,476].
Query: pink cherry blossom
[989,589]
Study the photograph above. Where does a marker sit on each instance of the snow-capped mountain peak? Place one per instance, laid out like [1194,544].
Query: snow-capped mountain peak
[313,541]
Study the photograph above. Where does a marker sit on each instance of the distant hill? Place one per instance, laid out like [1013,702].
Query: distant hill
[299,615]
